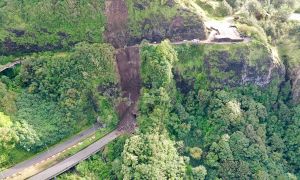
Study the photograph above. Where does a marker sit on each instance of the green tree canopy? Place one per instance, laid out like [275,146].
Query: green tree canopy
[151,156]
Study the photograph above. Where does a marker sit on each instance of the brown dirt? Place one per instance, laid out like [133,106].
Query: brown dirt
[128,63]
[117,17]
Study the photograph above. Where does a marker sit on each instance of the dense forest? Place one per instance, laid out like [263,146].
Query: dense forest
[205,111]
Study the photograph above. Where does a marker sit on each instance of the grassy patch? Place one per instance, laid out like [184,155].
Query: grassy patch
[255,32]
[6,59]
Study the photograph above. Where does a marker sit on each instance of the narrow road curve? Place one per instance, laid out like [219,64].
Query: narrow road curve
[76,158]
[9,65]
[51,152]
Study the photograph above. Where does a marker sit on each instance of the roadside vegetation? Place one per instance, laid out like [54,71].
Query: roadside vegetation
[213,124]
[54,96]
[206,111]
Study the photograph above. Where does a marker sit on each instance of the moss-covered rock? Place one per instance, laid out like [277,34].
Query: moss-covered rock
[157,20]
[42,25]
[230,65]
[290,52]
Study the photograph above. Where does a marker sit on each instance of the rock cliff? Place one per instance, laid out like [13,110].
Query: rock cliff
[131,21]
[228,65]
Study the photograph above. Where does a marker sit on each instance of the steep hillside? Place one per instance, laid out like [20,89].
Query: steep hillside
[131,21]
[33,26]
[290,52]
[210,88]
[218,66]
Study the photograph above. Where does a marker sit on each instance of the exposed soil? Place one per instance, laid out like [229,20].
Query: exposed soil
[117,17]
[179,31]
[128,63]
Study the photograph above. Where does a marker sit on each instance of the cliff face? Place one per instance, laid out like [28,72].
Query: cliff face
[243,64]
[290,53]
[183,25]
[295,77]
[131,21]
[229,65]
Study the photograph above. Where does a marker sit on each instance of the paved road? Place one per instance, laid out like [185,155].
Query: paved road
[9,65]
[225,30]
[295,17]
[59,148]
[218,28]
[76,158]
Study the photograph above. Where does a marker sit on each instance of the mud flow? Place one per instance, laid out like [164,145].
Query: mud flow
[128,63]
[117,19]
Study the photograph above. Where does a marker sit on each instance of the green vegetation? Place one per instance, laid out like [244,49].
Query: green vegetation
[206,111]
[151,156]
[269,18]
[58,92]
[289,47]
[234,133]
[31,26]
[145,11]
[157,20]
[215,8]
[105,165]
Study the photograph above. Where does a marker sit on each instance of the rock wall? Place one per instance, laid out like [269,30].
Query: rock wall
[131,21]
[229,65]
[238,68]
[289,49]
[185,25]
[294,76]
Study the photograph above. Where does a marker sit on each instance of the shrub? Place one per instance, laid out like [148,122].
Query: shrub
[224,9]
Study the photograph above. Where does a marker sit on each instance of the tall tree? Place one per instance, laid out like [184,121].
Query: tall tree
[151,156]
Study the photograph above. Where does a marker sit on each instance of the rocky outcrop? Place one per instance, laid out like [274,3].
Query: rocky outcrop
[185,25]
[9,46]
[216,66]
[126,27]
[294,76]
[241,66]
